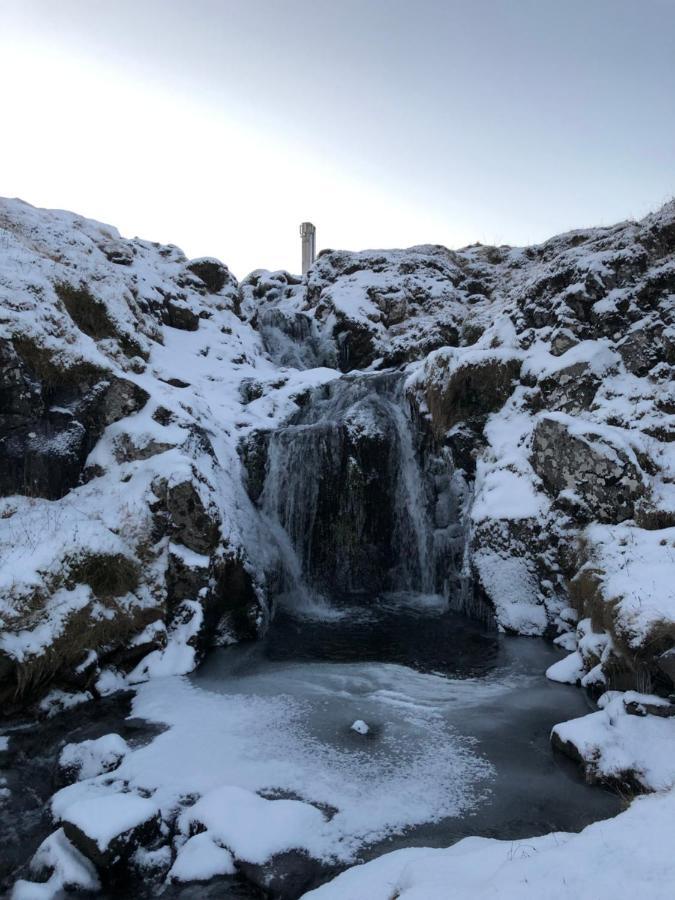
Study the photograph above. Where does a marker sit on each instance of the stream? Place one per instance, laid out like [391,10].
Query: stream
[458,721]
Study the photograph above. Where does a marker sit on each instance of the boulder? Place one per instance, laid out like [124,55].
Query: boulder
[466,386]
[212,273]
[179,314]
[88,759]
[192,523]
[568,458]
[119,252]
[646,345]
[109,829]
[570,389]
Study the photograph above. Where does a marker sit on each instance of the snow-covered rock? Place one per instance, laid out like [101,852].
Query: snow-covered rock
[627,742]
[90,758]
[540,392]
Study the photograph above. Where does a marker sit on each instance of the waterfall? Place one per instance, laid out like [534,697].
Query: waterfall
[347,498]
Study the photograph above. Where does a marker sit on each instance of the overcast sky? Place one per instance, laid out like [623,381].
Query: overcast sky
[220,125]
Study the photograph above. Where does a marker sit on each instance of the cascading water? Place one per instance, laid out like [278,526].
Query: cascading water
[347,499]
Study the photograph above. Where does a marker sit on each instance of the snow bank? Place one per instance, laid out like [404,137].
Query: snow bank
[635,572]
[628,856]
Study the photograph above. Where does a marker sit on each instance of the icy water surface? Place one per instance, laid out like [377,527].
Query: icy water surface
[445,700]
[458,743]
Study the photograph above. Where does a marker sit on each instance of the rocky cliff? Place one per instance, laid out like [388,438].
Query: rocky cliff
[507,413]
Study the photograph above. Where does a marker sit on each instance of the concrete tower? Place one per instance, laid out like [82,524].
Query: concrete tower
[308,236]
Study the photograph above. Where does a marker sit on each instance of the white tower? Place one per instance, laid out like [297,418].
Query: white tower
[308,236]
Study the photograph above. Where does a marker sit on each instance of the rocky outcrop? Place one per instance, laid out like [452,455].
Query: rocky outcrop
[533,398]
[571,456]
[102,467]
[465,386]
[52,416]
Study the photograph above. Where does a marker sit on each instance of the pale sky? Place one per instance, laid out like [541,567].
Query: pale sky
[220,125]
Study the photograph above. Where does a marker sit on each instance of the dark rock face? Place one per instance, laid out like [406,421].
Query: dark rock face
[119,252]
[192,523]
[212,273]
[51,418]
[571,389]
[231,605]
[589,465]
[467,392]
[179,315]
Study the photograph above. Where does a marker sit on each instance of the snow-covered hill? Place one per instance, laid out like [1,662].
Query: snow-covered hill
[177,449]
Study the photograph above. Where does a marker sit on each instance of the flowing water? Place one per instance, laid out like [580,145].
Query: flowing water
[350,500]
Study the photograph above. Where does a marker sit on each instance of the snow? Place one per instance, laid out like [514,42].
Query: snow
[94,757]
[628,856]
[200,858]
[70,870]
[596,355]
[105,817]
[360,727]
[254,828]
[569,670]
[635,567]
[614,742]
[506,486]
[179,655]
[511,581]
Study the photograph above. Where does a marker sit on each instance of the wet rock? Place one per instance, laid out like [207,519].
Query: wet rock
[587,463]
[355,344]
[253,451]
[187,575]
[666,665]
[286,876]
